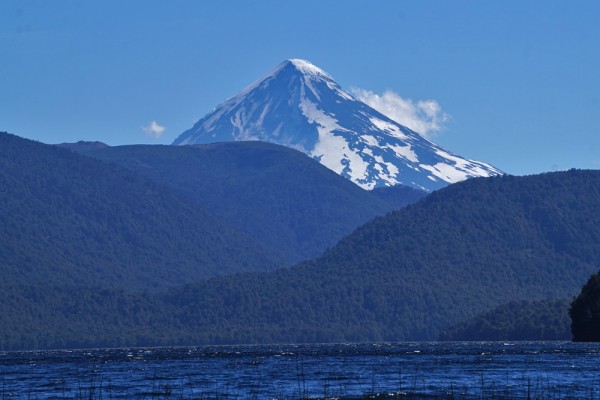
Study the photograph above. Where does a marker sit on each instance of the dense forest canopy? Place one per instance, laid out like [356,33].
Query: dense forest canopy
[585,312]
[517,320]
[291,204]
[66,219]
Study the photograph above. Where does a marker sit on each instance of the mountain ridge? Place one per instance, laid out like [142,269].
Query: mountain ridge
[293,205]
[70,219]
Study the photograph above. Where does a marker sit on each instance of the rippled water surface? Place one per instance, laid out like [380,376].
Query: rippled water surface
[406,370]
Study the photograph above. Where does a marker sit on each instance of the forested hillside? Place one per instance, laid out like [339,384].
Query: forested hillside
[461,251]
[410,275]
[585,312]
[293,205]
[66,219]
[517,320]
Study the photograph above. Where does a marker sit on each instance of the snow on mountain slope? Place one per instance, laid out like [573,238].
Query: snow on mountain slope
[300,106]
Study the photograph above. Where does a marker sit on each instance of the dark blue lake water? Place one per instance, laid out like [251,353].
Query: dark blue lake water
[405,370]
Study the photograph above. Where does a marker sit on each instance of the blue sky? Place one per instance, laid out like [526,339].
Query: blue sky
[519,81]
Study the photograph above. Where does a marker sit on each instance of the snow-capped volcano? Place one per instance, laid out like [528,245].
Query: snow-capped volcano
[300,106]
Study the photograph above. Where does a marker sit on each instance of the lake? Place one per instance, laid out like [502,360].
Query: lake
[546,370]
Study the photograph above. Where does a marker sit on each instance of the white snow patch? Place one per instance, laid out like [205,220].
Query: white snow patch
[303,66]
[357,166]
[277,130]
[339,91]
[343,94]
[390,176]
[393,171]
[239,122]
[332,149]
[325,122]
[446,172]
[370,140]
[388,127]
[329,148]
[366,185]
[264,113]
[307,68]
[405,152]
[307,81]
[209,124]
[472,168]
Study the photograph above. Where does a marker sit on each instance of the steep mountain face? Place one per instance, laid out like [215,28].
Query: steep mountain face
[66,219]
[287,201]
[300,106]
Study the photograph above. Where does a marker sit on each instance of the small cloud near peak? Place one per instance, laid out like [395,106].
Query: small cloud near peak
[154,129]
[423,116]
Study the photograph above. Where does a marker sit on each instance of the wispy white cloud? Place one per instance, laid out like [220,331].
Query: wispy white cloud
[423,116]
[154,129]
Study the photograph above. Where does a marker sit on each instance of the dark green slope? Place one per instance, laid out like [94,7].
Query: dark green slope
[585,312]
[284,199]
[517,320]
[49,317]
[66,219]
[459,252]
